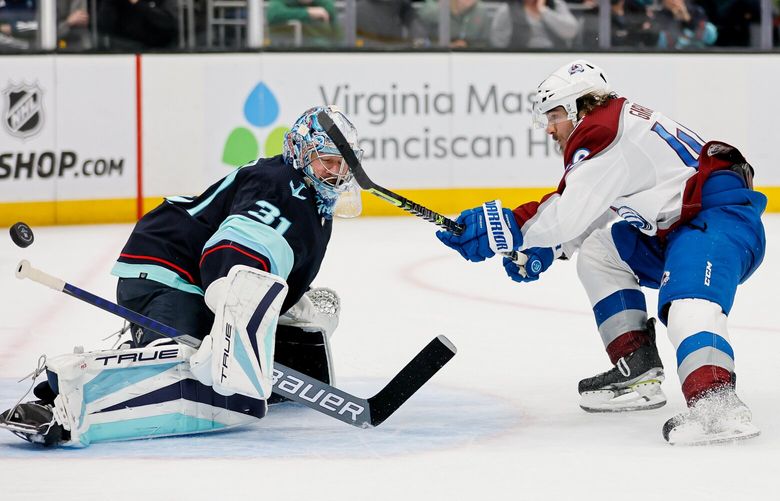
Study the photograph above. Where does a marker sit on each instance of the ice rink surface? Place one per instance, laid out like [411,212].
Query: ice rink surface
[501,421]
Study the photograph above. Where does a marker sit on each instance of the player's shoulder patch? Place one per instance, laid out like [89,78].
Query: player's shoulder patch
[595,133]
[579,155]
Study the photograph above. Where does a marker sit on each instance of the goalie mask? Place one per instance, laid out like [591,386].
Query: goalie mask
[564,86]
[308,148]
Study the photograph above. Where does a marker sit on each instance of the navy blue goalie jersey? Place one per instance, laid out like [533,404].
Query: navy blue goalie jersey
[263,215]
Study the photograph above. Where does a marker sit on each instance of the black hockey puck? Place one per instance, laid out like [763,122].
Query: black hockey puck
[22,235]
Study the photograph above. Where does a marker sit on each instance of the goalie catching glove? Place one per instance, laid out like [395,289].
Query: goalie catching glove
[237,356]
[317,311]
[488,230]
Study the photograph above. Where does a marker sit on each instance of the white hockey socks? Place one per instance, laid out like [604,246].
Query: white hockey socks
[237,355]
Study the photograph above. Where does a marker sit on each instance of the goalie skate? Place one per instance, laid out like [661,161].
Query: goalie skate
[720,417]
[33,422]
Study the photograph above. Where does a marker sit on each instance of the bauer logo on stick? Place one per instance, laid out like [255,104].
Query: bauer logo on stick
[22,235]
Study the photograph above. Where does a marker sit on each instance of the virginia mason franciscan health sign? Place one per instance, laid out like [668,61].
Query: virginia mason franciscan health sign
[427,121]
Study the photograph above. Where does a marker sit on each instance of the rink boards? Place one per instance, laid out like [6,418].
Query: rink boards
[103,138]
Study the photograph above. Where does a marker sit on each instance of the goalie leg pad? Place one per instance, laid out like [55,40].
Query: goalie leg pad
[237,356]
[139,393]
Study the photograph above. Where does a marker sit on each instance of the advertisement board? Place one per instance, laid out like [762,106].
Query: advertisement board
[433,121]
[447,129]
[68,137]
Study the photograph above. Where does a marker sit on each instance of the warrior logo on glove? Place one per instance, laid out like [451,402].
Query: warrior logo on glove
[500,238]
[489,229]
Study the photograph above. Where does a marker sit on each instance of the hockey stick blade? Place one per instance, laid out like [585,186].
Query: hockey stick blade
[310,392]
[411,378]
[373,411]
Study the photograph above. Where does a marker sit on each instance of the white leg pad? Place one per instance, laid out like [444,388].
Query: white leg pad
[132,394]
[237,355]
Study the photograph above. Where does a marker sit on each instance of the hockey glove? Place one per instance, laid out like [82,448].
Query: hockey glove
[538,259]
[488,229]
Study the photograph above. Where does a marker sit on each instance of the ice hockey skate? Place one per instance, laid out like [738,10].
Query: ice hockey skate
[34,422]
[634,384]
[717,417]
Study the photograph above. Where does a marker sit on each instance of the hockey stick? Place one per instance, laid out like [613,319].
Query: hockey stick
[322,397]
[367,184]
[445,223]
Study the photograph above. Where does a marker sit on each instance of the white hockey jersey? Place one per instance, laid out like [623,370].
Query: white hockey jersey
[621,159]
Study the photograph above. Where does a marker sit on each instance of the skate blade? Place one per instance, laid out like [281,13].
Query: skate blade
[18,427]
[695,438]
[25,432]
[643,396]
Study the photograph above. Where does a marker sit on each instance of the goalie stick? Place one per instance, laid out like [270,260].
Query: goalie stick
[445,223]
[322,397]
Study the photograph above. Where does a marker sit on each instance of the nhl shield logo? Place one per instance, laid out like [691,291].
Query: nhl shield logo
[23,110]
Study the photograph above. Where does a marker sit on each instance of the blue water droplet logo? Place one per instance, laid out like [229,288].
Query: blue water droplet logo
[261,108]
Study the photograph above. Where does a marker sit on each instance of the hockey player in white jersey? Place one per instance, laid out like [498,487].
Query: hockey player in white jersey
[646,202]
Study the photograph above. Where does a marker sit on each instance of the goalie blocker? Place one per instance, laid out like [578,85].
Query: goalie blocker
[303,336]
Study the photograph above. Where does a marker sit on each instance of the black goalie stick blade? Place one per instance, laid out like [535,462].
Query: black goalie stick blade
[411,378]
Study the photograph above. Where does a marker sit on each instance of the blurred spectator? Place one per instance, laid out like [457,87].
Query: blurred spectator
[137,24]
[734,19]
[469,23]
[632,24]
[388,23]
[587,13]
[18,24]
[683,25]
[533,24]
[318,17]
[776,23]
[73,25]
